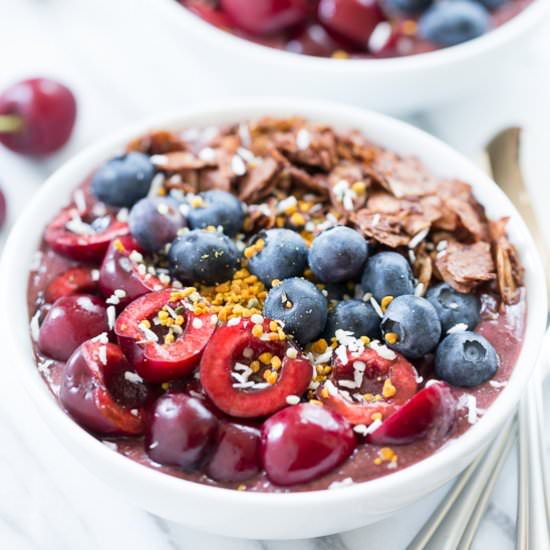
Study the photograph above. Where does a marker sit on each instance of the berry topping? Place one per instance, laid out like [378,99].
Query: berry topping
[354,316]
[216,208]
[161,334]
[369,386]
[303,442]
[123,276]
[203,256]
[454,308]
[338,255]
[466,359]
[300,306]
[429,414]
[237,454]
[314,40]
[100,390]
[353,19]
[2,209]
[263,17]
[411,326]
[248,369]
[76,280]
[452,22]
[180,431]
[37,116]
[154,222]
[83,237]
[71,321]
[387,274]
[277,254]
[407,6]
[123,180]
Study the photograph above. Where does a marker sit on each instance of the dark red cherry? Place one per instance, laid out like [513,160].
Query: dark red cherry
[210,15]
[303,442]
[226,348]
[430,414]
[76,280]
[155,358]
[263,17]
[352,19]
[237,454]
[384,384]
[121,271]
[314,40]
[71,321]
[180,431]
[2,209]
[37,116]
[100,390]
[83,236]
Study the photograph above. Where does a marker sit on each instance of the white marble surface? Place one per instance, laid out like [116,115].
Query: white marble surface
[117,57]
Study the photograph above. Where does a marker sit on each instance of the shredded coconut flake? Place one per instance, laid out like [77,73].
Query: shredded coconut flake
[376,306]
[35,326]
[133,377]
[303,139]
[346,482]
[238,166]
[102,352]
[382,350]
[197,323]
[111,317]
[419,237]
[459,327]
[292,399]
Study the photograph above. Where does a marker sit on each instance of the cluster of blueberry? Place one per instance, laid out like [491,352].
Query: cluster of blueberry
[201,238]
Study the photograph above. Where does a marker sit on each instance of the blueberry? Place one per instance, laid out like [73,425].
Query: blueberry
[300,305]
[355,316]
[411,326]
[452,22]
[336,292]
[465,359]
[408,6]
[493,4]
[203,256]
[154,222]
[454,307]
[284,255]
[218,208]
[123,180]
[338,254]
[387,274]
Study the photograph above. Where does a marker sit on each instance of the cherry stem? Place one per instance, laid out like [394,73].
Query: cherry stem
[10,124]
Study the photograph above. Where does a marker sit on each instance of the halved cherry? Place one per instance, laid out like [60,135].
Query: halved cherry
[227,348]
[101,391]
[119,271]
[76,280]
[144,340]
[84,237]
[211,15]
[430,414]
[368,384]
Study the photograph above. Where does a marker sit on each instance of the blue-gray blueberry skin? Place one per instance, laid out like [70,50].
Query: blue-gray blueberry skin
[154,222]
[466,359]
[123,180]
[283,256]
[387,274]
[451,22]
[301,306]
[454,307]
[219,208]
[338,255]
[203,257]
[416,324]
[355,316]
[407,6]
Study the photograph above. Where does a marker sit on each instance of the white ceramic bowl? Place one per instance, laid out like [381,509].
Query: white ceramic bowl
[397,86]
[257,515]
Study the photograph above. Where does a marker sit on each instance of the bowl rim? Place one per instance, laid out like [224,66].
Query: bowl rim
[223,40]
[26,235]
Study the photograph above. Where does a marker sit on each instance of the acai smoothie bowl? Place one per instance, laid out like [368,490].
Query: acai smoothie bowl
[302,314]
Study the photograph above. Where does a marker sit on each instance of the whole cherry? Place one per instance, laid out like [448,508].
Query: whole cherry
[37,116]
[263,17]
